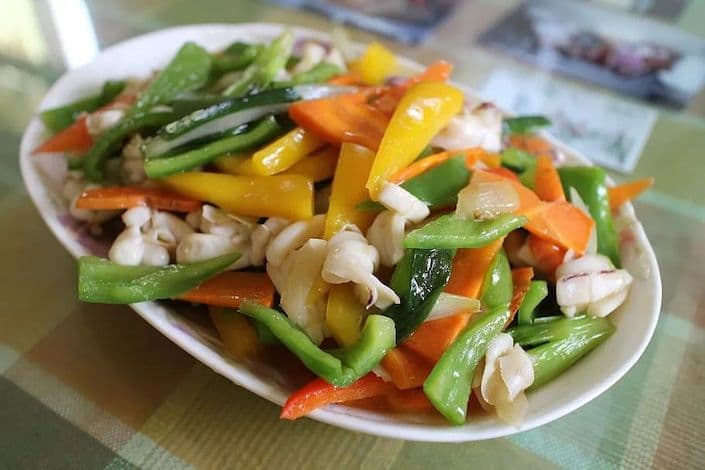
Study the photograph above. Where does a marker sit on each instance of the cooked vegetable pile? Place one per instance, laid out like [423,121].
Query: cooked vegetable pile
[410,246]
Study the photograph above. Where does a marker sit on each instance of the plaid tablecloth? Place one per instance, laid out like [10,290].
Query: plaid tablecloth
[92,386]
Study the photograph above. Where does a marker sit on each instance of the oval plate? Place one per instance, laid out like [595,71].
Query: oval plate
[139,56]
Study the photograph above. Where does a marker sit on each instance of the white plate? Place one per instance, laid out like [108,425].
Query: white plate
[139,56]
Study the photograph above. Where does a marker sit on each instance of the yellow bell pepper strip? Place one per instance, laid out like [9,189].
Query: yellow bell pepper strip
[349,190]
[375,64]
[288,196]
[344,313]
[236,164]
[285,152]
[423,111]
[319,166]
[239,336]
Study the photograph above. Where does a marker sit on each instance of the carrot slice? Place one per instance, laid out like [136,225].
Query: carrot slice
[74,138]
[628,191]
[344,118]
[472,156]
[504,173]
[432,338]
[547,182]
[231,288]
[125,197]
[563,224]
[350,78]
[521,279]
[406,368]
[531,143]
[548,256]
[319,393]
[469,268]
[409,401]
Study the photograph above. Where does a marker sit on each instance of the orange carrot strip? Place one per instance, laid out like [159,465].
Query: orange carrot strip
[432,338]
[350,78]
[548,256]
[74,138]
[563,224]
[231,288]
[125,197]
[531,143]
[504,173]
[319,393]
[628,191]
[409,401]
[472,156]
[547,182]
[344,118]
[406,368]
[469,268]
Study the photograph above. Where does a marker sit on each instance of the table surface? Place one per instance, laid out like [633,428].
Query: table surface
[95,386]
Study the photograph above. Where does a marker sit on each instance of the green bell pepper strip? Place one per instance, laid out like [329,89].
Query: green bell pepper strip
[319,73]
[344,366]
[449,231]
[497,287]
[557,329]
[56,119]
[449,384]
[591,184]
[437,187]
[188,71]
[235,57]
[418,279]
[260,134]
[538,290]
[525,124]
[110,140]
[260,73]
[102,281]
[554,358]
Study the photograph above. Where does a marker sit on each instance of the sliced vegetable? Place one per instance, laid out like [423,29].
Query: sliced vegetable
[449,384]
[591,184]
[56,119]
[531,143]
[319,166]
[554,358]
[619,195]
[260,73]
[469,268]
[451,304]
[449,231]
[418,279]
[235,330]
[526,124]
[262,132]
[102,281]
[235,57]
[375,64]
[547,256]
[126,197]
[432,338]
[409,401]
[424,110]
[376,339]
[319,393]
[285,152]
[518,160]
[547,182]
[406,368]
[344,314]
[521,281]
[319,73]
[389,97]
[346,118]
[232,288]
[189,70]
[558,329]
[288,196]
[349,190]
[538,290]
[497,286]
[438,187]
[74,138]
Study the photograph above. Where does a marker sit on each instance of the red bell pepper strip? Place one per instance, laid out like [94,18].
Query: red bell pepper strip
[126,197]
[231,288]
[319,393]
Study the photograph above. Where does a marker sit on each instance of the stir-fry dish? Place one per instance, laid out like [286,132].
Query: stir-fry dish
[413,248]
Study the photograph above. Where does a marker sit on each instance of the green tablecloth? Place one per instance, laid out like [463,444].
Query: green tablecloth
[87,386]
